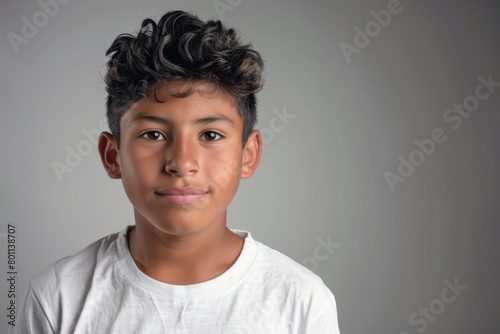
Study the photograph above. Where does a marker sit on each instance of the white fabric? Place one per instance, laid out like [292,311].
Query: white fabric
[101,290]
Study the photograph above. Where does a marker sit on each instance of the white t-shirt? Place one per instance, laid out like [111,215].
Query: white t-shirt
[101,290]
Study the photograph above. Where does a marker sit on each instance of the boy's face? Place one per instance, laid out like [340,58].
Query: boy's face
[181,160]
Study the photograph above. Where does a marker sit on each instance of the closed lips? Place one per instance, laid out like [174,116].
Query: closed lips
[182,196]
[181,191]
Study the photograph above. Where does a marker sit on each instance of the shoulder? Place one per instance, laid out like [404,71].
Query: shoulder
[56,294]
[299,283]
[76,271]
[274,263]
[294,289]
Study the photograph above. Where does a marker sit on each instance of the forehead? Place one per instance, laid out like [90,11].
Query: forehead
[180,100]
[200,94]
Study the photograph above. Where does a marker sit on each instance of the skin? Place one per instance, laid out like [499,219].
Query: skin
[195,141]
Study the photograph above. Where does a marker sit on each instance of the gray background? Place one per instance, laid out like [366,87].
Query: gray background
[321,175]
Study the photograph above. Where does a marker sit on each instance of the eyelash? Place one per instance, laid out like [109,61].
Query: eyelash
[158,133]
[216,133]
[146,134]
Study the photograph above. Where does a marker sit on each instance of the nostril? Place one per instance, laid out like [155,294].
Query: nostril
[172,171]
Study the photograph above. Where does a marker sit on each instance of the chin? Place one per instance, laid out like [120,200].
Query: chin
[180,227]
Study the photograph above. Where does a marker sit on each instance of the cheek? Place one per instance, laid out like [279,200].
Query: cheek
[225,171]
[139,167]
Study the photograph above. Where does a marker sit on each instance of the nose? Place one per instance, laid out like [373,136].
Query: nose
[181,158]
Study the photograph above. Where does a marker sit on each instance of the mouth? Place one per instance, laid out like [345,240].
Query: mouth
[181,195]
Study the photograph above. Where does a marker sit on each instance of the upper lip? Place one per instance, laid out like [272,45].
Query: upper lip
[181,191]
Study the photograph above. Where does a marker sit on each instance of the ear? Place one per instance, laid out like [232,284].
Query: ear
[108,150]
[251,154]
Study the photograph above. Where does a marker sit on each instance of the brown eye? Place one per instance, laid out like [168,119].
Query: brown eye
[153,135]
[211,136]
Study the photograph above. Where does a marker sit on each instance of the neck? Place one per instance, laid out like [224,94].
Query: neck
[184,259]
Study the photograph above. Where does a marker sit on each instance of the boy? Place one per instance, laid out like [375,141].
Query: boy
[181,109]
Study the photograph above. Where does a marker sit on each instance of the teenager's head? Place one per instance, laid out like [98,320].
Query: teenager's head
[181,103]
[181,47]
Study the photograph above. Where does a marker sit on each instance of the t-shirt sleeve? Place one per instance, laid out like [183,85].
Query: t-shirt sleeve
[326,320]
[31,317]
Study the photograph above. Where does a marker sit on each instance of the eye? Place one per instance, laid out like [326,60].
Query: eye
[211,136]
[153,135]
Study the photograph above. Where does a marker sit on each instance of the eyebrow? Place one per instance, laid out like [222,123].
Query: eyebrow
[204,120]
[141,117]
[212,119]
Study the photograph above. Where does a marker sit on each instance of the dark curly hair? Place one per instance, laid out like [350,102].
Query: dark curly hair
[181,47]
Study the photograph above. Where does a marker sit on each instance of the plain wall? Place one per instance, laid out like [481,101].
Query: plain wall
[321,176]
